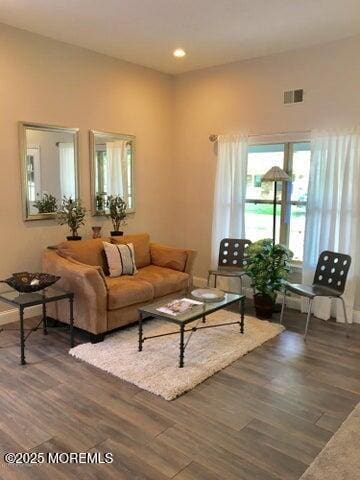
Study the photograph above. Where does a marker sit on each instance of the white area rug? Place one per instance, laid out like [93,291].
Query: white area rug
[156,368]
[340,458]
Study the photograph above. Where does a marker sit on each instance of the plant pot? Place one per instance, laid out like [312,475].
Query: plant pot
[73,237]
[116,233]
[264,306]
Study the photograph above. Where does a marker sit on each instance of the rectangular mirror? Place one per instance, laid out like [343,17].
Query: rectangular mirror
[112,166]
[49,157]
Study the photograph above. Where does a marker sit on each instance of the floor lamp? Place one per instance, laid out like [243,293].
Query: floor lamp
[275,174]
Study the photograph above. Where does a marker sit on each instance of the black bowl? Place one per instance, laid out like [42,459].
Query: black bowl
[26,282]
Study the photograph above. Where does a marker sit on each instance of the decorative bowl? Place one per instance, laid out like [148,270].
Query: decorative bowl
[26,282]
[208,294]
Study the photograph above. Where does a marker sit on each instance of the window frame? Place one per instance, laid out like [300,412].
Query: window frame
[285,202]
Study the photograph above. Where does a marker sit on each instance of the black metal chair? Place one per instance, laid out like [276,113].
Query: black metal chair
[232,257]
[329,281]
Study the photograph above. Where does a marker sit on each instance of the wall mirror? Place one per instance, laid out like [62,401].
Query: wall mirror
[112,166]
[49,157]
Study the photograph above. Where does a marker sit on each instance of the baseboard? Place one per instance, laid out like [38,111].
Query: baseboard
[356,316]
[291,302]
[12,315]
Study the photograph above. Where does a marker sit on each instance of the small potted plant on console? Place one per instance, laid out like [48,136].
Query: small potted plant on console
[117,212]
[71,213]
[268,266]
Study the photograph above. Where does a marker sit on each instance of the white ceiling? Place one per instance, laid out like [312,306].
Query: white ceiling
[212,32]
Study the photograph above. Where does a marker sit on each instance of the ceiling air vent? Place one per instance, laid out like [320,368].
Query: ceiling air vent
[294,96]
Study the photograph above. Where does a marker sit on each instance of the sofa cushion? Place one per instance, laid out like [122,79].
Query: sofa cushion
[125,291]
[141,242]
[120,259]
[163,280]
[89,252]
[169,257]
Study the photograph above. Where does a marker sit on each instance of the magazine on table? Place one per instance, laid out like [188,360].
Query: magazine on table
[179,306]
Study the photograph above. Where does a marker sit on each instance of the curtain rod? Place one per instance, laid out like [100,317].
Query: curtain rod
[213,137]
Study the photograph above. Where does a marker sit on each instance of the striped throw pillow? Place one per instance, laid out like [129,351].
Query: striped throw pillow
[120,259]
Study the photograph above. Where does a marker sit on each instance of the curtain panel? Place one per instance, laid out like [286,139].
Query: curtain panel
[333,212]
[67,169]
[230,191]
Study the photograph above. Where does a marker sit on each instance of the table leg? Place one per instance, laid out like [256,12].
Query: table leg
[181,363]
[44,318]
[140,333]
[71,305]
[242,307]
[22,336]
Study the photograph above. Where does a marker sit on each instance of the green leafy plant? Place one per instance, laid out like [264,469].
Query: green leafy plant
[117,211]
[71,213]
[46,204]
[268,266]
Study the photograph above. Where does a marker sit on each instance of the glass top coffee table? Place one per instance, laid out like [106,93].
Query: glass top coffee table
[198,312]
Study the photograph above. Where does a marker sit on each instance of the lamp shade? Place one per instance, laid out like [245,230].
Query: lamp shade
[275,174]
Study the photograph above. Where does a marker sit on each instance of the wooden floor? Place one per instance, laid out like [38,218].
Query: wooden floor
[265,417]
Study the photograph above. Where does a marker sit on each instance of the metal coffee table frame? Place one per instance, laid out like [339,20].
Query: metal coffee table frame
[27,300]
[198,313]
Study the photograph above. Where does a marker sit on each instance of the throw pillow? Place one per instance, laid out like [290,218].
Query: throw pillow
[121,259]
[141,242]
[168,257]
[89,252]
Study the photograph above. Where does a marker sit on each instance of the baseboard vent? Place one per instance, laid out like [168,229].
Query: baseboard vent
[294,96]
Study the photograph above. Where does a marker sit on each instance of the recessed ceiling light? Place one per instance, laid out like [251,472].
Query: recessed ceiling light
[179,53]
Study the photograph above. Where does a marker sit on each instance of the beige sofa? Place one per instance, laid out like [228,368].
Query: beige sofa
[103,303]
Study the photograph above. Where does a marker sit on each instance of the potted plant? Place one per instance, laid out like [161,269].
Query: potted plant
[46,204]
[117,213]
[268,266]
[71,213]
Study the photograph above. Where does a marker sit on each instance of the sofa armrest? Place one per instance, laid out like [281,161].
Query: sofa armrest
[87,283]
[180,259]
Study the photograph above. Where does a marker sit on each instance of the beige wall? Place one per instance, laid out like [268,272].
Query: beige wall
[249,96]
[51,82]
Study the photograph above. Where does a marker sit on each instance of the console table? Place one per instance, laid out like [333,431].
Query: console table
[21,301]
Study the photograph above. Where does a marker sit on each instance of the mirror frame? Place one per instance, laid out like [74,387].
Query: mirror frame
[121,136]
[23,126]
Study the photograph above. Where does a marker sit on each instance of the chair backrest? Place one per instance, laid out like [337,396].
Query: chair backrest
[232,252]
[332,270]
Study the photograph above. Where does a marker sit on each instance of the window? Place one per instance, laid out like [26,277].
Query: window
[294,158]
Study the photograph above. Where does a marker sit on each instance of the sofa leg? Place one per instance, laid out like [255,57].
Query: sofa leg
[97,337]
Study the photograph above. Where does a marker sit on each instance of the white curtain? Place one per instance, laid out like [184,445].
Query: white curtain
[333,212]
[67,169]
[116,168]
[230,191]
